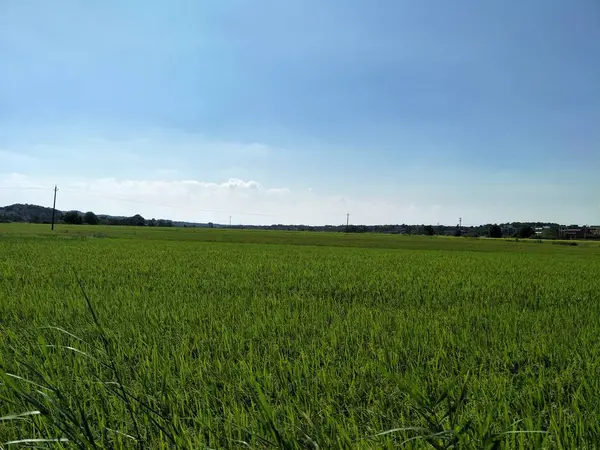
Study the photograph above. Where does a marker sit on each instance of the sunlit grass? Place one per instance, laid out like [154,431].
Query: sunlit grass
[233,339]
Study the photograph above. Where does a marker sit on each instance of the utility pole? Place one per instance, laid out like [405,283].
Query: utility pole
[54,206]
[460,222]
[229,221]
[347,220]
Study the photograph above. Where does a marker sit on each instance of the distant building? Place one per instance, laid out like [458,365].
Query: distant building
[594,232]
[581,233]
[540,230]
[571,233]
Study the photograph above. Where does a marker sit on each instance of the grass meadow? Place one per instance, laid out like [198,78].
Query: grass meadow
[199,338]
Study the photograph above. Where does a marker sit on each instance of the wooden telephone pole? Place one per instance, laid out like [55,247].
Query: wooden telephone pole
[54,206]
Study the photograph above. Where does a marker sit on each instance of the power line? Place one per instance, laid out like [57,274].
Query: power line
[166,205]
[143,202]
[25,188]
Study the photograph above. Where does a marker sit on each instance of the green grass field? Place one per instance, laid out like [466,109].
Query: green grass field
[252,339]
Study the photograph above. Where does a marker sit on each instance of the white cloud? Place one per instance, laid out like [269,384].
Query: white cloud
[250,202]
[165,173]
[247,201]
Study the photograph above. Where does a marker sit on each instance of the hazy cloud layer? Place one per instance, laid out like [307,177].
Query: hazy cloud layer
[246,201]
[249,202]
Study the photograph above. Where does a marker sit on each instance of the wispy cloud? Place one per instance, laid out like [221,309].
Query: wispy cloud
[248,201]
[11,158]
[126,152]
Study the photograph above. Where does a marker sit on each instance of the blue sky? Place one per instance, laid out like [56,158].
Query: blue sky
[299,111]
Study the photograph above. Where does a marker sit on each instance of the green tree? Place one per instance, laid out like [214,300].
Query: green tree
[457,232]
[551,233]
[136,221]
[90,218]
[495,231]
[73,218]
[428,230]
[525,232]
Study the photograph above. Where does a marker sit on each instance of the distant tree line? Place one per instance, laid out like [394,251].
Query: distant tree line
[503,230]
[40,214]
[89,218]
